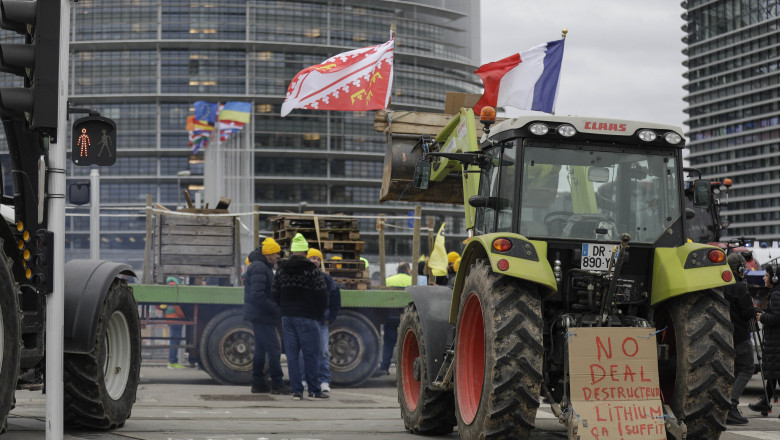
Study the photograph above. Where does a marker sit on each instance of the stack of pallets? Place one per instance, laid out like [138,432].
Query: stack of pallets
[338,237]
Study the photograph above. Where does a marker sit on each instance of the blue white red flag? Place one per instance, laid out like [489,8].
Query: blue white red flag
[526,80]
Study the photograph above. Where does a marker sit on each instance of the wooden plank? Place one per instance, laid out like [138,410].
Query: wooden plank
[196,270]
[185,249]
[338,246]
[199,230]
[198,240]
[204,260]
[196,220]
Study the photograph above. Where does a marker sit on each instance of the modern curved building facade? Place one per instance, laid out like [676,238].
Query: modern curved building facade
[734,107]
[143,64]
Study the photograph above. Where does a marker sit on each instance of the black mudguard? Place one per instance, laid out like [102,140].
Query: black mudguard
[86,286]
[433,307]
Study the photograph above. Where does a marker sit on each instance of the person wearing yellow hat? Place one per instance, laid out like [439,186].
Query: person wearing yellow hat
[338,266]
[334,305]
[300,290]
[452,257]
[401,279]
[264,313]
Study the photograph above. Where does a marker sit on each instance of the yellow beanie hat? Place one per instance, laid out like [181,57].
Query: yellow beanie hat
[452,256]
[270,246]
[299,243]
[314,253]
[456,265]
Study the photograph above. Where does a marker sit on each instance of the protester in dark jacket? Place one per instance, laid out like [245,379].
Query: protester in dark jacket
[742,312]
[334,305]
[263,312]
[300,291]
[770,319]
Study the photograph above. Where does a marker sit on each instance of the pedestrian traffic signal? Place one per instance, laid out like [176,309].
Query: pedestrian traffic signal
[36,61]
[94,141]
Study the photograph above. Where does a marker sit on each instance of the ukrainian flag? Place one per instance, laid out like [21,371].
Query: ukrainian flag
[235,111]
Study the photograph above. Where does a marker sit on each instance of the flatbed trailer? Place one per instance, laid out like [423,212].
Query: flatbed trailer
[221,342]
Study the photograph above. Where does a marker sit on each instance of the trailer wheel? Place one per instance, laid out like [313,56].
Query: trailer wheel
[423,411]
[100,386]
[10,341]
[227,348]
[697,380]
[354,348]
[498,356]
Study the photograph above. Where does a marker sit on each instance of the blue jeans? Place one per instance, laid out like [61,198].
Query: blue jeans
[173,352]
[302,335]
[389,337]
[266,343]
[324,371]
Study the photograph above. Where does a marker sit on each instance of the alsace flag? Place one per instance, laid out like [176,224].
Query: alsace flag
[357,80]
[526,80]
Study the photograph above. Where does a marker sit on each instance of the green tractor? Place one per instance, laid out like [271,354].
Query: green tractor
[572,222]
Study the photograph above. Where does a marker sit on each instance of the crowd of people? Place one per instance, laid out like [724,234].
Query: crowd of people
[304,300]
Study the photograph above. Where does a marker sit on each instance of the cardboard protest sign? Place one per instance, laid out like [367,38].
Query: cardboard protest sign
[614,384]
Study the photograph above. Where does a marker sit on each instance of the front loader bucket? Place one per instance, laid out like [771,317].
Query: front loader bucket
[401,156]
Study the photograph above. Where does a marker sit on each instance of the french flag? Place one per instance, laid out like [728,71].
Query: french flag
[526,80]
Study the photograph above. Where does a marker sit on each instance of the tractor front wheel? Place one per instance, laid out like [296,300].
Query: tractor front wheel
[498,356]
[10,340]
[424,411]
[697,379]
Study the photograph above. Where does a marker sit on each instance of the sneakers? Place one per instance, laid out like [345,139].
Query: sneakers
[325,387]
[281,389]
[380,372]
[735,417]
[175,366]
[318,396]
[297,396]
[262,388]
[761,406]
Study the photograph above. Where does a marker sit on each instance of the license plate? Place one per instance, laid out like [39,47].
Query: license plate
[595,256]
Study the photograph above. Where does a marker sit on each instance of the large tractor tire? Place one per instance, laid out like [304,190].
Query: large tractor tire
[10,340]
[697,380]
[498,356]
[227,348]
[354,348]
[423,411]
[100,386]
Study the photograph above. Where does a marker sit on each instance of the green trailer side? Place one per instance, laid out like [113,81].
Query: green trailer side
[221,342]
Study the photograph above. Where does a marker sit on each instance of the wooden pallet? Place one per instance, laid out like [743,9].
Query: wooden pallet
[352,284]
[354,274]
[291,222]
[331,264]
[342,246]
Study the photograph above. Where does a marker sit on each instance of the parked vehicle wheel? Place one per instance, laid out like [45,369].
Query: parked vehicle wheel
[100,386]
[10,340]
[227,347]
[498,356]
[423,411]
[354,349]
[697,380]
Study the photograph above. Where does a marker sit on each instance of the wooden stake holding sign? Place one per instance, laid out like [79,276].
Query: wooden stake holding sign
[615,393]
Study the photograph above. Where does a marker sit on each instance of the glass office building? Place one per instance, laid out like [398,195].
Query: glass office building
[733,73]
[144,63]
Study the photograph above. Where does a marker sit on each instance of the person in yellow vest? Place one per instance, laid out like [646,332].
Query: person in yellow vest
[174,330]
[401,280]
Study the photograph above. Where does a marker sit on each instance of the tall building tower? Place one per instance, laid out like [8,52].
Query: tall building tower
[144,64]
[734,107]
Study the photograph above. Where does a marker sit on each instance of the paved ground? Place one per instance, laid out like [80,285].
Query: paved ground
[189,405]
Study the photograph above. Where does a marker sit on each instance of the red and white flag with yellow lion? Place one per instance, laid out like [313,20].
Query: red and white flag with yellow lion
[357,80]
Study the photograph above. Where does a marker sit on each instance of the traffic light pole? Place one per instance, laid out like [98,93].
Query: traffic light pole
[55,304]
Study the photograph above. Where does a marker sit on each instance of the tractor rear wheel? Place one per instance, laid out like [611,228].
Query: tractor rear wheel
[697,380]
[424,411]
[100,386]
[10,340]
[498,356]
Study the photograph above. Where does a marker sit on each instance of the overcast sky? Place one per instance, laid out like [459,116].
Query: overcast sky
[622,59]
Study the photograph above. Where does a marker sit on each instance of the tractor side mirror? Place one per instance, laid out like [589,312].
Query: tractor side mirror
[701,193]
[422,174]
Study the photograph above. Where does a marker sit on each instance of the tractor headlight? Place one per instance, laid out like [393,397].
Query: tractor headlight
[567,130]
[672,138]
[539,129]
[647,135]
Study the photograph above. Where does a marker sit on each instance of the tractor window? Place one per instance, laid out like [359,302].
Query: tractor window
[500,173]
[597,194]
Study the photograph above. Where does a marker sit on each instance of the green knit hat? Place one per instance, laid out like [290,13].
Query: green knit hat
[299,244]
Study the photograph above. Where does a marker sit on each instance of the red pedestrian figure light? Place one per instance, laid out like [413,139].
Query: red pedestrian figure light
[83,142]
